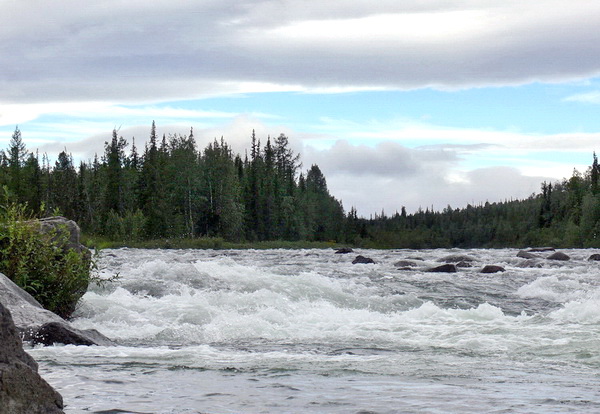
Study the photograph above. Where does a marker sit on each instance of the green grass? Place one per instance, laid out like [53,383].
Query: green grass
[98,242]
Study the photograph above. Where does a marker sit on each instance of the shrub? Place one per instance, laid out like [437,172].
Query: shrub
[39,263]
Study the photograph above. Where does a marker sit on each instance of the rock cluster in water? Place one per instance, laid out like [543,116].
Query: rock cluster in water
[22,390]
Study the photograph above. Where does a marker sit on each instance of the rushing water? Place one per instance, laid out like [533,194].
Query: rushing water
[305,331]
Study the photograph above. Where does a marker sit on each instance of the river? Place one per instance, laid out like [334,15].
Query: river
[306,331]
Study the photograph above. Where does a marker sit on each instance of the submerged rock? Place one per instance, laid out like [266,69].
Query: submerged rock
[541,249]
[463,263]
[595,257]
[492,269]
[405,263]
[445,268]
[344,250]
[22,389]
[38,325]
[526,255]
[558,256]
[363,260]
[457,258]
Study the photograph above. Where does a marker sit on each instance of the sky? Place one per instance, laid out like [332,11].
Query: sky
[401,103]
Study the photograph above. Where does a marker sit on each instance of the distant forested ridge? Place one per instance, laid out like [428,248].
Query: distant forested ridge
[172,189]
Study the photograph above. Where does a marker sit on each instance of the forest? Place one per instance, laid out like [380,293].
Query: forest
[170,189]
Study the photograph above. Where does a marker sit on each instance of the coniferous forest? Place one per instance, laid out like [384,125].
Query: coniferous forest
[170,189]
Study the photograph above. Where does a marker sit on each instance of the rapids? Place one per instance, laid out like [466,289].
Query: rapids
[305,331]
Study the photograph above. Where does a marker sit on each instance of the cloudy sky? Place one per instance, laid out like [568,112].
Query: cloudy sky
[401,103]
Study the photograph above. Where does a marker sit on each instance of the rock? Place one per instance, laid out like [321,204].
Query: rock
[558,256]
[22,389]
[530,264]
[456,258]
[445,268]
[462,263]
[362,260]
[405,263]
[61,227]
[492,269]
[526,255]
[595,257]
[344,250]
[541,249]
[38,325]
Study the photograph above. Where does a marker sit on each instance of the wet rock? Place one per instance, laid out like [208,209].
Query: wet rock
[530,264]
[492,269]
[464,264]
[541,249]
[405,263]
[344,250]
[559,256]
[456,258]
[22,389]
[445,268]
[526,255]
[38,325]
[362,260]
[594,258]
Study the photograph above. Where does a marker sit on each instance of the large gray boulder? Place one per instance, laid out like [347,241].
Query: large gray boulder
[64,231]
[22,390]
[40,326]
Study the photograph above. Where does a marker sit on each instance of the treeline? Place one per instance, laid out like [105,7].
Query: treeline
[171,189]
[563,214]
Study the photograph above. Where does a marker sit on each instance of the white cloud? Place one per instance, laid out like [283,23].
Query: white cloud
[135,52]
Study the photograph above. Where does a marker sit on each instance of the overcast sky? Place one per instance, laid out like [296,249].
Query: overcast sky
[401,103]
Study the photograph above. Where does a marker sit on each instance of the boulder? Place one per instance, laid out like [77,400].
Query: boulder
[362,260]
[38,325]
[558,256]
[526,255]
[492,269]
[445,268]
[595,257]
[456,258]
[344,250]
[22,389]
[64,231]
[405,263]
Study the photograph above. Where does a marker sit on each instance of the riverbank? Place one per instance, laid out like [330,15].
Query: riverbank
[96,242]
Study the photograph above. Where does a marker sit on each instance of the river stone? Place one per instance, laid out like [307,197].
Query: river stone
[445,268]
[344,250]
[22,389]
[595,257]
[362,260]
[541,249]
[492,269]
[405,263]
[456,258]
[558,256]
[38,325]
[526,255]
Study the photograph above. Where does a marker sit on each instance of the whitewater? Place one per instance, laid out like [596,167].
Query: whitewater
[306,331]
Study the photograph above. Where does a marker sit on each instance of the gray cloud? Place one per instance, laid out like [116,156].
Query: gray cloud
[139,51]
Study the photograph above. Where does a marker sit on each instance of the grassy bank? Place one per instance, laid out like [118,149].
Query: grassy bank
[95,242]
